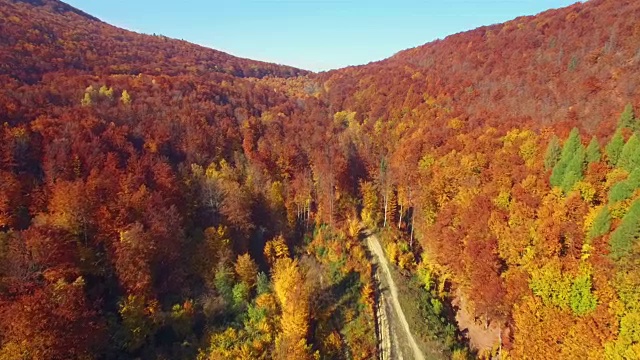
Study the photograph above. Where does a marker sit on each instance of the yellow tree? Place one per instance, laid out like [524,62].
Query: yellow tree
[293,296]
[125,98]
[539,329]
[215,248]
[275,249]
[247,270]
[370,213]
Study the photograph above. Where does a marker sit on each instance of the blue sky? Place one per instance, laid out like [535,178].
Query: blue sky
[311,34]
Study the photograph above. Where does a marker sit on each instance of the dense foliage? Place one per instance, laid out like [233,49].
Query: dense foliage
[162,200]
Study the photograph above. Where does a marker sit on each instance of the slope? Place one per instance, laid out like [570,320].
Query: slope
[146,186]
[43,36]
[456,132]
[574,65]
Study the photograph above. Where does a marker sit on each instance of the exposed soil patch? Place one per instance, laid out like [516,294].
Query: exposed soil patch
[481,336]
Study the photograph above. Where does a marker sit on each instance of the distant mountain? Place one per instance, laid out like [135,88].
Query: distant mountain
[576,64]
[43,36]
[57,7]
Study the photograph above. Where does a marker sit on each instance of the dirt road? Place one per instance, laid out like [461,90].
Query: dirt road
[390,347]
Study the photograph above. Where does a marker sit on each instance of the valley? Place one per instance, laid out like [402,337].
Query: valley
[474,197]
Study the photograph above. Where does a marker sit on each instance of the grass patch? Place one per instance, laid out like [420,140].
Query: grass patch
[428,317]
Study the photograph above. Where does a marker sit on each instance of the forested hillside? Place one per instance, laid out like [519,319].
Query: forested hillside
[45,36]
[160,200]
[577,65]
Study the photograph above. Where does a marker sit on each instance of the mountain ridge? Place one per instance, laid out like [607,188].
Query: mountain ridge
[59,7]
[565,61]
[58,37]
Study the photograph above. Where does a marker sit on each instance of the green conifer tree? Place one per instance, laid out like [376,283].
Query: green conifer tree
[626,235]
[629,156]
[574,171]
[601,224]
[593,151]
[571,145]
[627,119]
[624,189]
[569,170]
[614,148]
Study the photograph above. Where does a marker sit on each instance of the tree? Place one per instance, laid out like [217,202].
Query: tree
[134,253]
[240,293]
[624,189]
[86,100]
[125,98]
[551,285]
[70,207]
[247,270]
[138,321]
[553,152]
[483,271]
[106,91]
[627,118]
[224,282]
[370,207]
[629,158]
[182,320]
[52,322]
[539,329]
[601,224]
[385,187]
[290,290]
[10,198]
[581,299]
[614,148]
[215,249]
[593,151]
[626,346]
[571,148]
[262,283]
[626,235]
[275,249]
[574,171]
[51,249]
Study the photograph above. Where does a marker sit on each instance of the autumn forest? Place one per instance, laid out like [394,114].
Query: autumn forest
[162,200]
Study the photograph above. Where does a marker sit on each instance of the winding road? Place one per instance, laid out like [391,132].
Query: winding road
[389,344]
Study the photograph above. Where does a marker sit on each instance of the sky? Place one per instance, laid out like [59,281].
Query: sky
[315,35]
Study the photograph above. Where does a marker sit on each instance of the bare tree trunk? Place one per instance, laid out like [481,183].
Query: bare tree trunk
[384,183]
[308,213]
[400,218]
[413,216]
[386,204]
[331,208]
